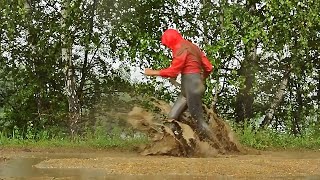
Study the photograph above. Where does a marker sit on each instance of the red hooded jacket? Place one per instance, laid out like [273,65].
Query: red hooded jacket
[187,57]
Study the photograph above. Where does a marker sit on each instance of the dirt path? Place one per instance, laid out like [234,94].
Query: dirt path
[130,165]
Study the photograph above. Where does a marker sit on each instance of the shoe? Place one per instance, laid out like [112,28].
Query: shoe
[172,126]
[204,130]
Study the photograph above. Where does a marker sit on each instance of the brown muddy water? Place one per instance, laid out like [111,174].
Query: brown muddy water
[131,166]
[30,167]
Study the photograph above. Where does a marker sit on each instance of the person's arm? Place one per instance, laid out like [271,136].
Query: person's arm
[151,72]
[207,66]
[173,71]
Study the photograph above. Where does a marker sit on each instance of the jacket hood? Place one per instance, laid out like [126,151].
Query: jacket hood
[171,38]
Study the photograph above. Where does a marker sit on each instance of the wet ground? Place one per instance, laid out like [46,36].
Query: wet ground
[107,164]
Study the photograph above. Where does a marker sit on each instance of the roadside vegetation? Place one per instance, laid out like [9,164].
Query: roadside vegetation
[94,141]
[71,69]
[127,139]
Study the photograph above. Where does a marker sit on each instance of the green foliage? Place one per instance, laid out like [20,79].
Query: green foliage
[251,44]
[96,140]
[272,139]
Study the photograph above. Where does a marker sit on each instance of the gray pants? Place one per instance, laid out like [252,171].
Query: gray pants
[192,89]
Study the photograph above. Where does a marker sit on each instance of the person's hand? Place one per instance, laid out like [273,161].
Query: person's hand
[150,72]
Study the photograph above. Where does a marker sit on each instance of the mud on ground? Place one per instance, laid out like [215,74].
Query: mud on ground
[63,163]
[3,159]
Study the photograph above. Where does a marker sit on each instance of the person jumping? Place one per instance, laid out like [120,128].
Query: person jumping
[194,67]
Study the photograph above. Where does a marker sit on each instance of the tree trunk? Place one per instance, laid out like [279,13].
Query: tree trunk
[317,123]
[74,107]
[216,87]
[318,95]
[32,42]
[276,101]
[244,98]
[85,69]
[295,128]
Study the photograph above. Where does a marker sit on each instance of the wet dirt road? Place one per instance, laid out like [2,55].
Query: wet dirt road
[107,164]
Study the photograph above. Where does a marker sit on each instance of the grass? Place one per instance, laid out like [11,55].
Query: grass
[89,141]
[258,139]
[270,139]
[86,143]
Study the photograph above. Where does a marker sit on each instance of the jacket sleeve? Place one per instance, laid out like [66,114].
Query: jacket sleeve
[207,66]
[177,65]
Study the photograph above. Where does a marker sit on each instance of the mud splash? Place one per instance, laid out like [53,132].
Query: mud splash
[178,138]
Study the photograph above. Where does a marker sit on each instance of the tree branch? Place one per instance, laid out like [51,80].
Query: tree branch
[84,69]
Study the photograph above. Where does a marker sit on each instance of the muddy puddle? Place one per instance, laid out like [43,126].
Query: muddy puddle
[130,166]
[25,168]
[31,167]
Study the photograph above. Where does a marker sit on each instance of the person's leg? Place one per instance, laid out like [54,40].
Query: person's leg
[178,108]
[194,89]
